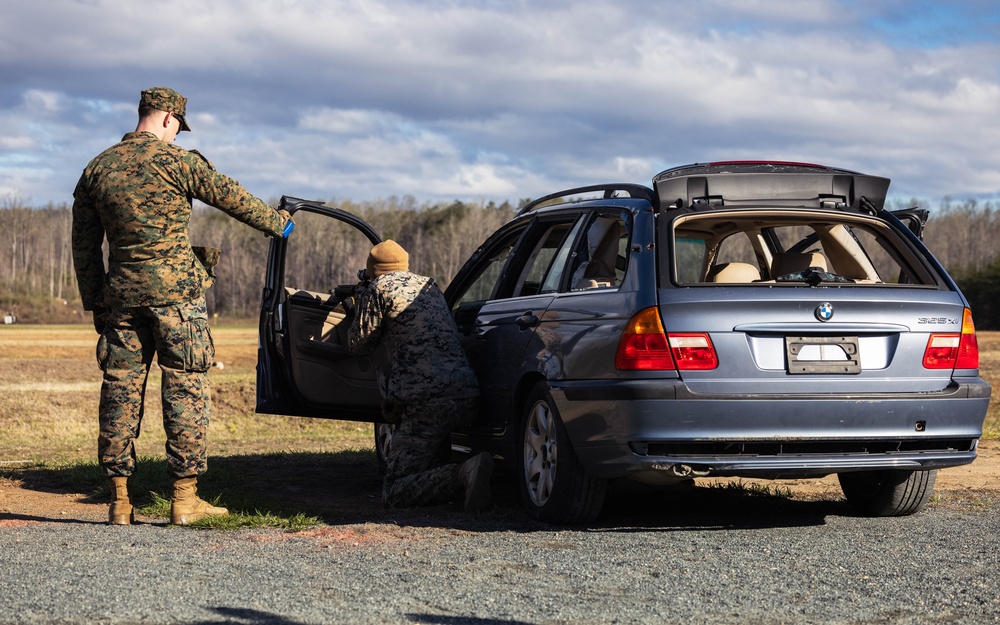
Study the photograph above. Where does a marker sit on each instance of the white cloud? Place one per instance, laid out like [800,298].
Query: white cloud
[341,121]
[18,143]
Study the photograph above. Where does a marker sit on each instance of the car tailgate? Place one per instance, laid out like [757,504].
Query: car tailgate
[815,340]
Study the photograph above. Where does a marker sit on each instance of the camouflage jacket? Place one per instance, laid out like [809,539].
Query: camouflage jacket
[408,314]
[138,193]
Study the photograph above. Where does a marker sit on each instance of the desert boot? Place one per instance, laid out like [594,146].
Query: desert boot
[120,512]
[186,507]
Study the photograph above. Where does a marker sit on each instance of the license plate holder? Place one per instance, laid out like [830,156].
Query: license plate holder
[823,355]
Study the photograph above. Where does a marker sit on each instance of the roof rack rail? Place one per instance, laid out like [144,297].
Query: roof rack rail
[610,191]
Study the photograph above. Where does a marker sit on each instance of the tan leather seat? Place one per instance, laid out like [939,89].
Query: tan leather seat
[734,272]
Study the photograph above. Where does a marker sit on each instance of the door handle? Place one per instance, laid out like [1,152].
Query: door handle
[527,320]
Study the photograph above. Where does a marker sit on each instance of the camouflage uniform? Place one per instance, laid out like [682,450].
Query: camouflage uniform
[138,194]
[429,376]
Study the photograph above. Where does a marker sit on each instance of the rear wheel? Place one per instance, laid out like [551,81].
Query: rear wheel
[888,493]
[554,486]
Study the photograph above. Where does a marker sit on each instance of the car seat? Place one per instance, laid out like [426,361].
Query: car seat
[734,272]
[791,262]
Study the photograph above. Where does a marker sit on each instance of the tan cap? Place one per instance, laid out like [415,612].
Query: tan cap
[165,99]
[386,257]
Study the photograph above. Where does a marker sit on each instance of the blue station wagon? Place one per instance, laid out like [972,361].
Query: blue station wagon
[747,319]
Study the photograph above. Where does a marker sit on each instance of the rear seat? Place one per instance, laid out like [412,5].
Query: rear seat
[790,262]
[734,273]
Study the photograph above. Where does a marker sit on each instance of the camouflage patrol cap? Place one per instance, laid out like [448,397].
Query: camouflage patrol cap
[165,99]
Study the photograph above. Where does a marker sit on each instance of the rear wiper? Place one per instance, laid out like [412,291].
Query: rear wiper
[812,276]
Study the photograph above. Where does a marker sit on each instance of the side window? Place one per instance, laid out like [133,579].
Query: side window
[323,253]
[557,269]
[601,258]
[480,288]
[691,255]
[543,270]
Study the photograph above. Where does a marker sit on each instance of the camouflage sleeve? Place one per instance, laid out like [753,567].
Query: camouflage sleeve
[229,196]
[88,258]
[366,329]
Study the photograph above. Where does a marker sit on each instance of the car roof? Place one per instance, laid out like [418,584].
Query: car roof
[607,191]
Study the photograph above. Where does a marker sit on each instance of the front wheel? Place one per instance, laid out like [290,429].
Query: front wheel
[554,486]
[888,493]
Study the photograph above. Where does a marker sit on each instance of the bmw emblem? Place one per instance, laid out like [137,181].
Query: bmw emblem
[824,312]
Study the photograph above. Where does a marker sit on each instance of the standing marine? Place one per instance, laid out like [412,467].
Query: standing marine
[429,388]
[149,300]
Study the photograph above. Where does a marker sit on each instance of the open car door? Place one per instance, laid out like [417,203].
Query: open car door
[304,366]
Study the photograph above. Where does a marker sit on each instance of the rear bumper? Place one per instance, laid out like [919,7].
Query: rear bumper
[621,427]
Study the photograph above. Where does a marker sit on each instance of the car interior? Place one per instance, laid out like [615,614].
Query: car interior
[776,247]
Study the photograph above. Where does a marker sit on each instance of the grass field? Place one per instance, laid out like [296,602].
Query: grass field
[49,391]
[50,385]
[989,370]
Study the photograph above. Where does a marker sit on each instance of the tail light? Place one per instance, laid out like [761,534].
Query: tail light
[693,351]
[645,346]
[954,351]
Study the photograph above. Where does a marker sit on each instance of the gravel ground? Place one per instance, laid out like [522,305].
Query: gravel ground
[705,557]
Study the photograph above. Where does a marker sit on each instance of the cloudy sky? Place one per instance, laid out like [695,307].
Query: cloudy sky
[506,99]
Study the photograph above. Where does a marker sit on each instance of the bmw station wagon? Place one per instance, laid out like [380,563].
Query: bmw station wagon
[735,319]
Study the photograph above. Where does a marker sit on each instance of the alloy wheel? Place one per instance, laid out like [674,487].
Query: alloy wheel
[540,452]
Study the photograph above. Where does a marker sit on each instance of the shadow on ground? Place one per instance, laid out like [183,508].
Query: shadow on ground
[345,488]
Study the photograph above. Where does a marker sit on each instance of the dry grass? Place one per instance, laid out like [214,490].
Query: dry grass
[989,370]
[50,384]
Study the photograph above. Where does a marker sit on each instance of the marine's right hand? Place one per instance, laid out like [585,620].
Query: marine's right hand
[350,304]
[100,319]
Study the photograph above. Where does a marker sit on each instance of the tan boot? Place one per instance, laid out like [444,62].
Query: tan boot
[474,475]
[186,507]
[120,512]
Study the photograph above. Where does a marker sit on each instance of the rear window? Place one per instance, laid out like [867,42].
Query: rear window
[785,248]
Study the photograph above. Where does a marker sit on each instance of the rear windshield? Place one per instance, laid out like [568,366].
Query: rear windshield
[777,247]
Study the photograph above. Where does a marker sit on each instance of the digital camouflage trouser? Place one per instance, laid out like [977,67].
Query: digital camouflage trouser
[418,471]
[180,339]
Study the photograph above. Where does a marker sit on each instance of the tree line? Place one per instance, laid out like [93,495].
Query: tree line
[37,281]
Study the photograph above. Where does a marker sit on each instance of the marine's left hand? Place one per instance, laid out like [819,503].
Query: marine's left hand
[287,223]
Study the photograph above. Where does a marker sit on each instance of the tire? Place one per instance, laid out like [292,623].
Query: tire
[383,435]
[888,493]
[554,486]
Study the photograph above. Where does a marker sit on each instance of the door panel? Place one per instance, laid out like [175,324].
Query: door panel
[304,365]
[323,368]
[496,347]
